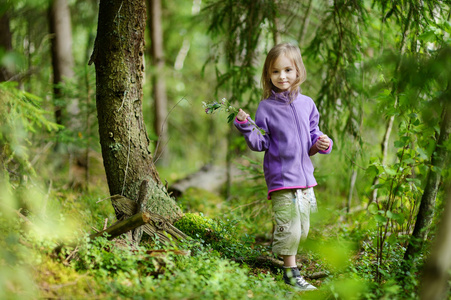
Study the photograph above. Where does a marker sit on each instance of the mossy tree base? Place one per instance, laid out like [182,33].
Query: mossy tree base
[119,61]
[157,226]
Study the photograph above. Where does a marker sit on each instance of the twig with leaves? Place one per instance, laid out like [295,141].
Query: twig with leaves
[210,108]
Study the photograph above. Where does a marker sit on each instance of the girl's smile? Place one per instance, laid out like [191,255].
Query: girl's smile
[283,73]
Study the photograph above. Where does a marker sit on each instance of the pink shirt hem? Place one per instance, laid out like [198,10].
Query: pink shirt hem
[289,188]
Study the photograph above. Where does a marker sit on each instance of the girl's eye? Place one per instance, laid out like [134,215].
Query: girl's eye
[288,70]
[275,72]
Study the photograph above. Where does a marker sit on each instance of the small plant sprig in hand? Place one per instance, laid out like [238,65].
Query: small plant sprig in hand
[233,111]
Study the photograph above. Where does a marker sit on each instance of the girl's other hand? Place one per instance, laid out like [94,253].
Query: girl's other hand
[242,115]
[323,143]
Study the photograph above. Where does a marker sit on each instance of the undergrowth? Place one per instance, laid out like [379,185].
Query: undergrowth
[218,261]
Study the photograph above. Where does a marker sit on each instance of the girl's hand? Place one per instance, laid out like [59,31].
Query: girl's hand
[242,115]
[323,143]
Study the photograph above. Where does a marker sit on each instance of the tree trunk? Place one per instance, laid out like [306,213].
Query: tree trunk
[395,91]
[384,151]
[118,57]
[305,23]
[62,59]
[67,110]
[436,271]
[427,205]
[158,79]
[5,43]
[351,188]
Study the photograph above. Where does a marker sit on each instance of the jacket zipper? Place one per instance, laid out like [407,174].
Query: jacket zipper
[298,127]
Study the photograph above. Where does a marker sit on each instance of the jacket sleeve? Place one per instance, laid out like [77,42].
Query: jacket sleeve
[315,133]
[256,140]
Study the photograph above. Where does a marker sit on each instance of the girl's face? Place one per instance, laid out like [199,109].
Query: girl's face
[283,73]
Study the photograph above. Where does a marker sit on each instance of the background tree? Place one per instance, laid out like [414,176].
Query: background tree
[427,206]
[237,26]
[62,59]
[158,75]
[435,277]
[5,43]
[357,75]
[118,57]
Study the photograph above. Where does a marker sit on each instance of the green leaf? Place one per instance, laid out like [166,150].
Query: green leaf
[373,208]
[231,117]
[409,161]
[392,239]
[415,181]
[372,170]
[422,153]
[389,214]
[380,219]
[390,171]
[399,144]
[428,36]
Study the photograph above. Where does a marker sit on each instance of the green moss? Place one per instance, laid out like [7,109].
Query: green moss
[220,235]
[115,147]
[196,226]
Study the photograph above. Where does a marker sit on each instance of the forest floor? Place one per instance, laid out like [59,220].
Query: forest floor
[232,261]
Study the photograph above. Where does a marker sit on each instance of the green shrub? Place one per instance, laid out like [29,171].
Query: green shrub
[22,117]
[196,226]
[221,235]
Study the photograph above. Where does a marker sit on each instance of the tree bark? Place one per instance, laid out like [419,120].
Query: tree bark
[118,57]
[62,59]
[158,80]
[436,271]
[384,151]
[5,43]
[351,188]
[427,205]
[141,207]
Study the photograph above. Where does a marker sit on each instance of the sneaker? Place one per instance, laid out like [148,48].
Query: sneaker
[292,277]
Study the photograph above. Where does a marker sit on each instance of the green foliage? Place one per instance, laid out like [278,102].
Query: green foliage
[241,27]
[341,93]
[170,275]
[14,267]
[367,269]
[22,117]
[367,62]
[110,269]
[220,235]
[401,183]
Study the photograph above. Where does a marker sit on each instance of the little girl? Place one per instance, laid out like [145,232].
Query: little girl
[290,121]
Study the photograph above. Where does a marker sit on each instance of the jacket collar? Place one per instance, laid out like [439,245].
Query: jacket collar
[283,96]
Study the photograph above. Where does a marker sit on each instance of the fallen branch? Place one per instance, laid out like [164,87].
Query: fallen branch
[124,226]
[153,224]
[159,226]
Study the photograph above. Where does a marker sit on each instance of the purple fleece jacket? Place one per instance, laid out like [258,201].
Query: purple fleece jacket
[291,130]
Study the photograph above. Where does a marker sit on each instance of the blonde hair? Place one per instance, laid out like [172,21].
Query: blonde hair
[294,54]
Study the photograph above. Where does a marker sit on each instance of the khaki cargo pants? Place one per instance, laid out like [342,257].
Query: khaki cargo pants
[291,210]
